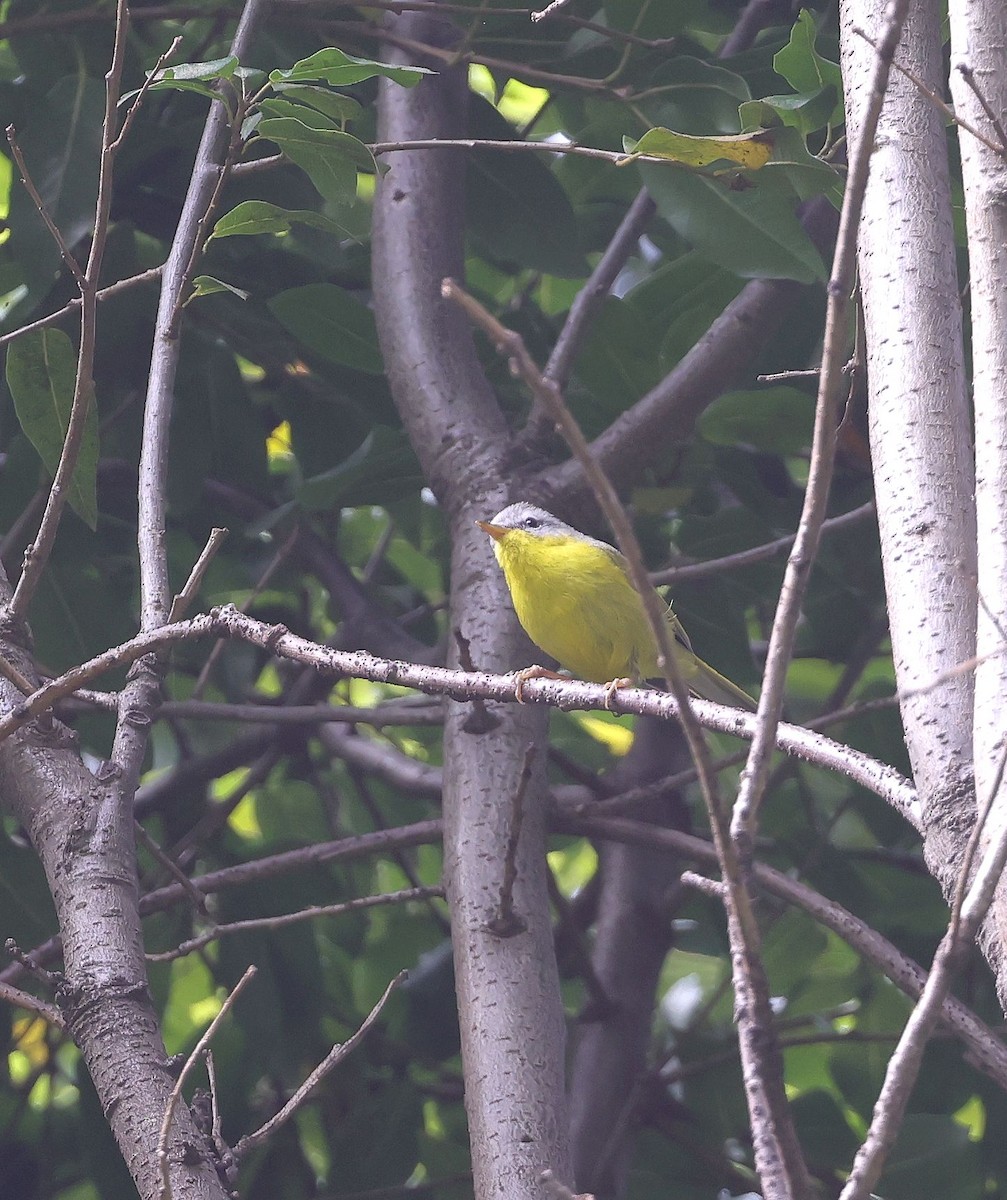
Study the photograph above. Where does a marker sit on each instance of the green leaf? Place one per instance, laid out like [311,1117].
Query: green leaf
[518,210]
[383,465]
[694,96]
[340,69]
[194,77]
[800,64]
[257,216]
[775,419]
[328,156]
[41,371]
[216,68]
[806,112]
[206,285]
[932,1157]
[332,323]
[678,302]
[333,104]
[749,228]
[795,165]
[60,138]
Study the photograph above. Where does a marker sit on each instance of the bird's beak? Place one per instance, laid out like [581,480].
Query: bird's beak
[495,531]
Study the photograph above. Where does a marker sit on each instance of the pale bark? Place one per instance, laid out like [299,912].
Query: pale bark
[979,44]
[510,1010]
[919,420]
[84,839]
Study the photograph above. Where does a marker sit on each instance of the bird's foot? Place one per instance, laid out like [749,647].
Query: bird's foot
[613,686]
[532,673]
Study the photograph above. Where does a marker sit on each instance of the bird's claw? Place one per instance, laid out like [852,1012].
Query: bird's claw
[613,686]
[534,672]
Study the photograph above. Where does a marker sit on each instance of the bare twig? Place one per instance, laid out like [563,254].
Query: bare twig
[16,997]
[968,75]
[618,158]
[29,185]
[592,295]
[877,777]
[984,1047]
[140,695]
[332,1060]
[141,95]
[38,553]
[394,712]
[550,10]
[23,684]
[154,584]
[405,896]
[261,583]
[941,104]
[176,1091]
[172,867]
[182,602]
[757,554]
[71,306]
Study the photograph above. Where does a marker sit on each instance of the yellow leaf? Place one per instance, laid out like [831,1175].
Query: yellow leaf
[751,150]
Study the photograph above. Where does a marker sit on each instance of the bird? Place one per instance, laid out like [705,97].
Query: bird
[575,600]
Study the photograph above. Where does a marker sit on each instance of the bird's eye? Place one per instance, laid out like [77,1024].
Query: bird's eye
[531,523]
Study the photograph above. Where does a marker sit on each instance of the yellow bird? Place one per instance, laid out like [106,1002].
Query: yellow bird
[574,598]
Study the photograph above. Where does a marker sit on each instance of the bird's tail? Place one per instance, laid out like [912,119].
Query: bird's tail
[711,685]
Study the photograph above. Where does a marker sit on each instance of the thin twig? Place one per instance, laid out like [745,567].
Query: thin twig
[592,295]
[203,678]
[226,621]
[942,104]
[29,186]
[23,684]
[73,305]
[549,10]
[984,1047]
[757,554]
[38,553]
[152,492]
[19,999]
[176,1091]
[405,896]
[618,158]
[141,95]
[771,1151]
[172,867]
[332,1060]
[968,75]
[393,712]
[183,601]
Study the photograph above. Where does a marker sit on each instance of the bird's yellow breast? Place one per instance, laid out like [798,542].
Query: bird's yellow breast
[576,603]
